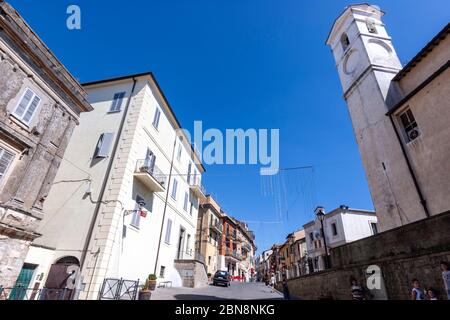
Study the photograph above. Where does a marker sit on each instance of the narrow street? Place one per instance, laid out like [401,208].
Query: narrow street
[237,291]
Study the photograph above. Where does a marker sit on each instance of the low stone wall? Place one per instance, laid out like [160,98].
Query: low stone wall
[412,251]
[192,273]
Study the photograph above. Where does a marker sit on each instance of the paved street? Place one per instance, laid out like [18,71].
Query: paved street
[237,291]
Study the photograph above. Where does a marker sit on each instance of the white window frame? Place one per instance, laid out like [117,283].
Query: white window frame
[21,117]
[169,225]
[156,118]
[173,194]
[186,201]
[10,164]
[116,105]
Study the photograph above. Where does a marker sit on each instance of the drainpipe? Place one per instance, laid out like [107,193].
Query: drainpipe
[165,203]
[423,202]
[104,184]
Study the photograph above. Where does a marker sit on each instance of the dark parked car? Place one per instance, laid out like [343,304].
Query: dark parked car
[221,277]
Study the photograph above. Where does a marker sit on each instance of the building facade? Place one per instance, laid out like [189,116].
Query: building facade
[264,265]
[209,233]
[297,250]
[340,226]
[40,105]
[399,115]
[129,206]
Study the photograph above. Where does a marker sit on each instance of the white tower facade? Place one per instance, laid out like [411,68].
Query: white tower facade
[366,63]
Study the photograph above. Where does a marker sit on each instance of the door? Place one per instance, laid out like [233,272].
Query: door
[20,289]
[150,160]
[181,244]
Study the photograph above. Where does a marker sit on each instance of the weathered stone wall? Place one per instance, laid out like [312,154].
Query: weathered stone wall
[38,146]
[412,251]
[192,272]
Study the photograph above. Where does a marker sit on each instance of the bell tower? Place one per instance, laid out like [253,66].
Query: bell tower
[366,62]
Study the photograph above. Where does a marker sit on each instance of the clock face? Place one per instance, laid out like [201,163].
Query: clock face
[351,62]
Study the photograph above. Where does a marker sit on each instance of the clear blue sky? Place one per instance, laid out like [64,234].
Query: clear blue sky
[242,64]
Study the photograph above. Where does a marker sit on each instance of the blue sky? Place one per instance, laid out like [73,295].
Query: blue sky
[242,64]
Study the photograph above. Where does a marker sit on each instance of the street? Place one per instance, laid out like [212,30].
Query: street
[237,291]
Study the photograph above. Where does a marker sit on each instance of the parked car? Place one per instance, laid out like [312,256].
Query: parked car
[221,277]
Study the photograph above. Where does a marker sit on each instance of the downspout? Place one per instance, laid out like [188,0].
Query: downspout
[105,181]
[423,202]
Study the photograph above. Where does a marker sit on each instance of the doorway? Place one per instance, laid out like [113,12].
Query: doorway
[181,243]
[20,289]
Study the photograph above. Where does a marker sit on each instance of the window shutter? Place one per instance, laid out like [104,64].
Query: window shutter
[174,189]
[5,160]
[31,109]
[104,145]
[23,104]
[156,118]
[168,230]
[186,198]
[117,102]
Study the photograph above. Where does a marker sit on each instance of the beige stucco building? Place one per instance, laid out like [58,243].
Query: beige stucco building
[399,115]
[40,105]
[209,233]
[125,205]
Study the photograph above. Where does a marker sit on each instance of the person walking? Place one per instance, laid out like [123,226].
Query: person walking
[446,277]
[432,294]
[357,290]
[286,294]
[417,292]
[273,282]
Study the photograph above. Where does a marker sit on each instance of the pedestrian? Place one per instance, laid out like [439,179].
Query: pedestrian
[286,294]
[272,282]
[432,294]
[356,290]
[446,277]
[417,292]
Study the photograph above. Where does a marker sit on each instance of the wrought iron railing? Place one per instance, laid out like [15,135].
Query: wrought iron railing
[194,181]
[144,166]
[23,293]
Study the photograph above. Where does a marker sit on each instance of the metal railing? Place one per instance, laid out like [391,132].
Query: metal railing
[22,293]
[218,226]
[194,181]
[144,166]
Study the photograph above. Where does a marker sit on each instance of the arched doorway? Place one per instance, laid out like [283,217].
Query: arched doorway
[60,283]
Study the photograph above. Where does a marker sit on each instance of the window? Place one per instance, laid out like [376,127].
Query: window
[156,118]
[180,148]
[103,145]
[27,106]
[345,42]
[311,237]
[191,209]
[149,162]
[374,227]
[189,173]
[186,200]
[209,260]
[409,125]
[168,231]
[334,229]
[117,102]
[188,243]
[136,219]
[6,159]
[174,189]
[162,271]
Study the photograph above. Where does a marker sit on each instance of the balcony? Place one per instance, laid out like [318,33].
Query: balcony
[231,236]
[150,176]
[247,247]
[233,254]
[216,227]
[196,187]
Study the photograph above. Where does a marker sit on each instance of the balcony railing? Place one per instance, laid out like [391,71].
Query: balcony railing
[233,253]
[216,226]
[197,187]
[150,175]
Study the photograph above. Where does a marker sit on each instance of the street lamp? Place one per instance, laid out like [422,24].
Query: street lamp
[320,213]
